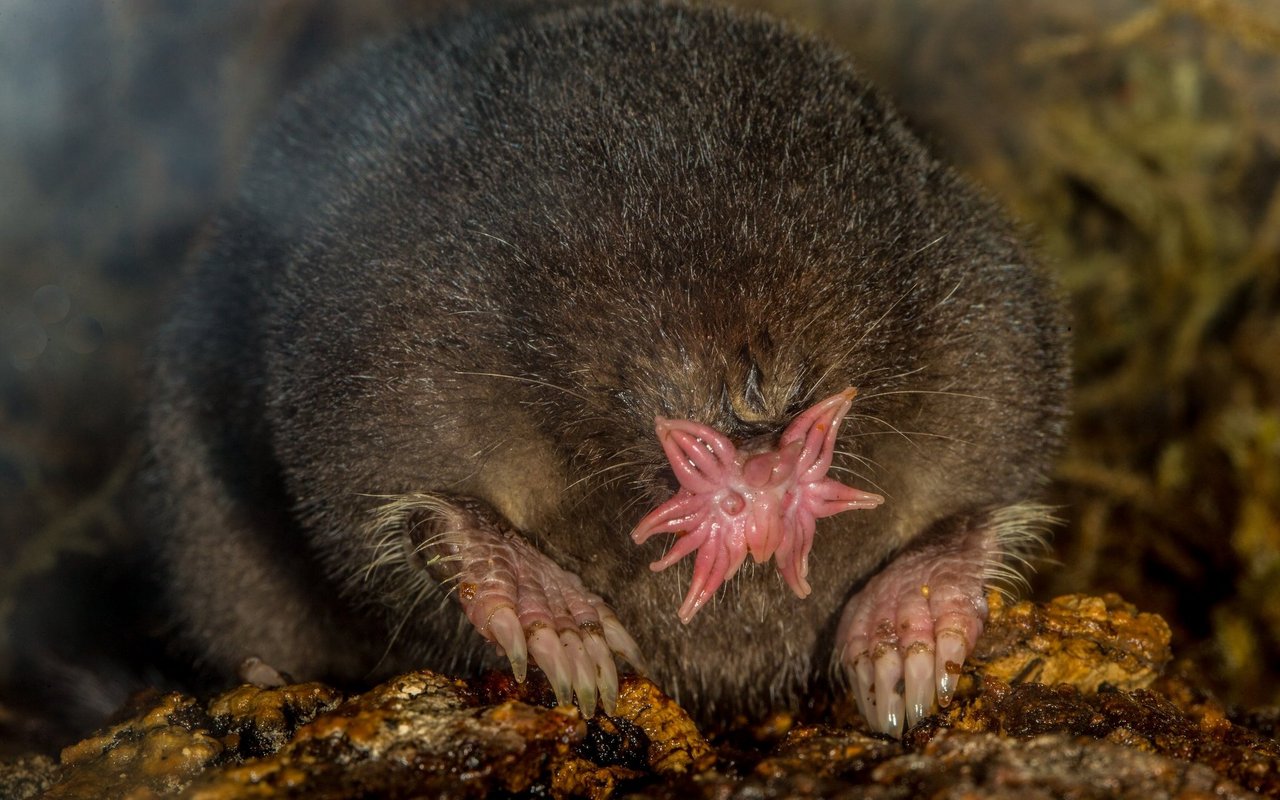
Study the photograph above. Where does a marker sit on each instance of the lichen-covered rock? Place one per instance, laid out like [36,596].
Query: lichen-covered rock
[260,721]
[675,745]
[26,777]
[419,735]
[1084,641]
[154,754]
[1052,766]
[814,751]
[651,737]
[962,766]
[1141,720]
[1108,725]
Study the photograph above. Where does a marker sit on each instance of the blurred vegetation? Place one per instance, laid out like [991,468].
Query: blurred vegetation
[1138,139]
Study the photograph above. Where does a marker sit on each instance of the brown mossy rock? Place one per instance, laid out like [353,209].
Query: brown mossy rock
[1062,699]
[1143,721]
[26,776]
[154,754]
[964,766]
[1085,641]
[418,735]
[259,721]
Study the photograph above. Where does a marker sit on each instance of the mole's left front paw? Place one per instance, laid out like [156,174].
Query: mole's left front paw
[903,639]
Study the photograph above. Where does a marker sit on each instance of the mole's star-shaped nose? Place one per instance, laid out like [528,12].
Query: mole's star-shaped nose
[732,503]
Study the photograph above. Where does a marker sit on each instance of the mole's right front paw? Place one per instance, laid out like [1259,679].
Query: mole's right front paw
[526,604]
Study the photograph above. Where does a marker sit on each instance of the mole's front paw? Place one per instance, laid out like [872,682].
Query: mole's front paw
[522,601]
[516,597]
[903,639]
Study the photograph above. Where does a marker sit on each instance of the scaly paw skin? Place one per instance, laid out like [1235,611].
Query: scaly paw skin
[530,607]
[515,596]
[903,639]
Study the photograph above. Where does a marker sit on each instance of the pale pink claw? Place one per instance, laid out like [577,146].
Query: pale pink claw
[731,503]
[903,638]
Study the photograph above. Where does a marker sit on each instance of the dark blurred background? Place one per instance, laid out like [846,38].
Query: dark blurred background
[1139,140]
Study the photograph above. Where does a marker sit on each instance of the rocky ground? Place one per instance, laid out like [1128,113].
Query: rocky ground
[1073,698]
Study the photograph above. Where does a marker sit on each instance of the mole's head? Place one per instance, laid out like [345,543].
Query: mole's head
[728,431]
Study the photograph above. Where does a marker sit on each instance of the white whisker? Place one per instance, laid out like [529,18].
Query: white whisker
[930,391]
[892,428]
[516,250]
[861,459]
[523,379]
[871,329]
[597,473]
[421,595]
[861,477]
[897,432]
[951,293]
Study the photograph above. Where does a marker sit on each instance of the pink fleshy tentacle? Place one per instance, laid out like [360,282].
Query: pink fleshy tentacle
[695,539]
[827,497]
[766,532]
[701,458]
[723,554]
[697,594]
[817,428]
[765,504]
[793,553]
[681,513]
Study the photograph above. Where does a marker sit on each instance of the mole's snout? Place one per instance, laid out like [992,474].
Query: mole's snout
[733,500]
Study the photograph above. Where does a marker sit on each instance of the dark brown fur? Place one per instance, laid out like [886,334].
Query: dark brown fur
[480,261]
